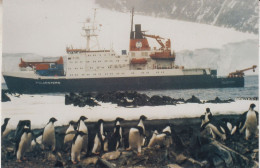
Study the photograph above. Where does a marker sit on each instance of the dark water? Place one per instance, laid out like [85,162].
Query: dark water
[250,90]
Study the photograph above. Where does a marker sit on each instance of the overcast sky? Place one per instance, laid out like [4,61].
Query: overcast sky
[46,27]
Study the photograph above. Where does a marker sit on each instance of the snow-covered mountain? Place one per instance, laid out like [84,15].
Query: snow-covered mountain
[239,14]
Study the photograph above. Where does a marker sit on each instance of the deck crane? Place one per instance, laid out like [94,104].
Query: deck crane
[157,38]
[240,73]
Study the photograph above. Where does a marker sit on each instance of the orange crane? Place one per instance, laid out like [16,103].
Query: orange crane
[240,73]
[159,40]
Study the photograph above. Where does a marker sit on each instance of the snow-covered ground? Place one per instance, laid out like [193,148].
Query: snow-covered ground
[40,108]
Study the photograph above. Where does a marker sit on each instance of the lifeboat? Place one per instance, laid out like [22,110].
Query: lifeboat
[163,55]
[138,61]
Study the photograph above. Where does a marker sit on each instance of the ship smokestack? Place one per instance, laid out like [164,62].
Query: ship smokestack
[138,32]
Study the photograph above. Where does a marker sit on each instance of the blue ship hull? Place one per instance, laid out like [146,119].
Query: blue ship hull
[27,85]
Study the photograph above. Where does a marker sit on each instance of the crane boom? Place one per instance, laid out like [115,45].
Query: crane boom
[240,73]
[157,38]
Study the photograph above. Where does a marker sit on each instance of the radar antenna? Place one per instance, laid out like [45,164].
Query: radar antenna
[90,30]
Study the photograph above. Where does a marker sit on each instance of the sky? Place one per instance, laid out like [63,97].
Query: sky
[46,27]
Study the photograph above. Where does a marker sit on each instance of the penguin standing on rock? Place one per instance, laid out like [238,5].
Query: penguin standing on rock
[77,144]
[116,140]
[99,138]
[137,136]
[249,121]
[214,126]
[48,136]
[4,128]
[83,128]
[23,142]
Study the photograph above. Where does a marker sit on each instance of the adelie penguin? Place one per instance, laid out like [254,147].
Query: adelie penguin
[116,139]
[162,140]
[99,138]
[83,128]
[137,136]
[48,136]
[70,133]
[215,127]
[4,128]
[23,142]
[248,122]
[77,144]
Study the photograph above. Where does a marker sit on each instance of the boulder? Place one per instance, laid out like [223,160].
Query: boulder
[193,99]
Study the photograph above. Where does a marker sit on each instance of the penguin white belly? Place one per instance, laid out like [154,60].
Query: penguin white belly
[68,138]
[23,146]
[48,137]
[76,149]
[153,141]
[6,132]
[83,127]
[216,131]
[135,139]
[251,121]
[97,145]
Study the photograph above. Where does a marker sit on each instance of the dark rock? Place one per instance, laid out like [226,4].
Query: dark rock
[193,99]
[58,164]
[5,98]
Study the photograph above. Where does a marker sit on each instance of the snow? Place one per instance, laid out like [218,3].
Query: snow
[40,108]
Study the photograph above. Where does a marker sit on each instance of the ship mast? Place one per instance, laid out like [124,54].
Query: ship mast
[132,20]
[91,31]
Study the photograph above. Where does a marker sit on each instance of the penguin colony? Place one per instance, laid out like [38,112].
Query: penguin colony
[76,139]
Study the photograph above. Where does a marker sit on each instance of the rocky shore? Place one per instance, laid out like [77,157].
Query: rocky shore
[190,148]
[130,98]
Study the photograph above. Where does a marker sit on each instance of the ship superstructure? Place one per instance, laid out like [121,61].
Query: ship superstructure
[94,69]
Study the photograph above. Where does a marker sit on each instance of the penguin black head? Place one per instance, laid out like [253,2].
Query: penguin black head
[119,119]
[207,110]
[52,120]
[100,121]
[6,120]
[72,122]
[252,106]
[83,118]
[142,117]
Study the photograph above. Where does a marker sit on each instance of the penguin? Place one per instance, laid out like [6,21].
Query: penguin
[23,142]
[116,139]
[99,138]
[248,122]
[77,145]
[215,127]
[4,129]
[153,139]
[136,136]
[206,117]
[83,128]
[48,136]
[70,132]
[163,140]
